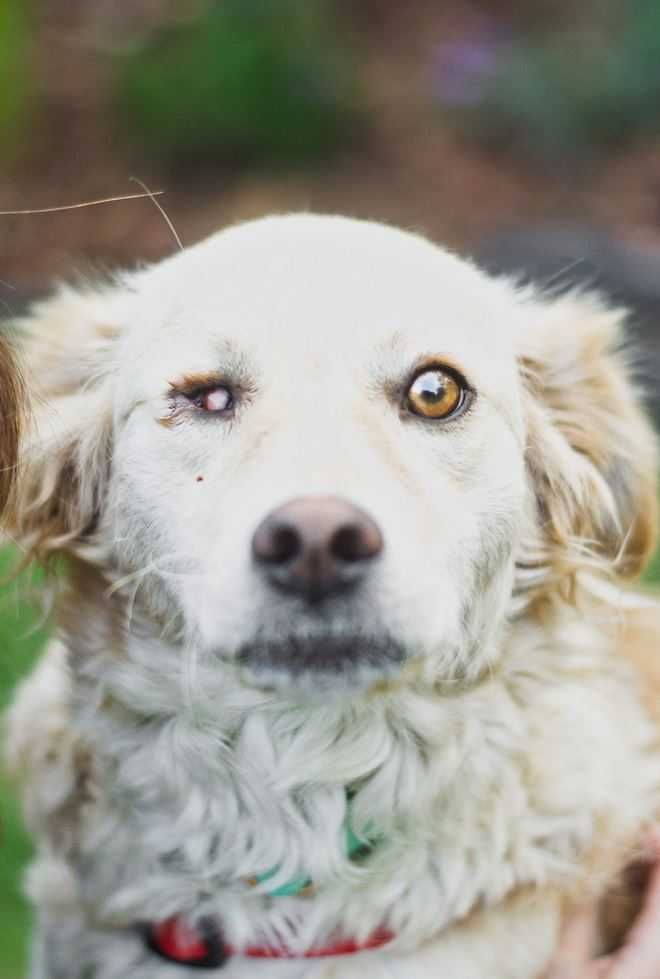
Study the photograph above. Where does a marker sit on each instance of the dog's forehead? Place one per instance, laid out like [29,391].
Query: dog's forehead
[325,288]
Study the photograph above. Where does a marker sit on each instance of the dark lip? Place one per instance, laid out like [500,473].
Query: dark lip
[296,656]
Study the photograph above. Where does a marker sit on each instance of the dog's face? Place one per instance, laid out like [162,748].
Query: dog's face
[322,448]
[319,442]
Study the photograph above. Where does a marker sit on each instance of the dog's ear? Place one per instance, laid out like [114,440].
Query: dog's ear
[591,451]
[67,355]
[12,411]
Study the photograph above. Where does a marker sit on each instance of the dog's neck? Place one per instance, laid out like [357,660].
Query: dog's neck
[203,783]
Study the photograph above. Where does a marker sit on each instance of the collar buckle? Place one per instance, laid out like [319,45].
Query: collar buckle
[199,947]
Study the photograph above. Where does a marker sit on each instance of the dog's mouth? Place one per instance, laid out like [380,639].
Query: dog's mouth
[321,662]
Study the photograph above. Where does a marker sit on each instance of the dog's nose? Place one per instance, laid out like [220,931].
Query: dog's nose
[316,546]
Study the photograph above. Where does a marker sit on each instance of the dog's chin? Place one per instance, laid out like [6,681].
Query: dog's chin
[320,665]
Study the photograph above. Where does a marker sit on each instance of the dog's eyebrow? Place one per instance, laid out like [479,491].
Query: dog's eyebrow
[235,372]
[198,380]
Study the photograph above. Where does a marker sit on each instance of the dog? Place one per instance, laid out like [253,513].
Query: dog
[348,678]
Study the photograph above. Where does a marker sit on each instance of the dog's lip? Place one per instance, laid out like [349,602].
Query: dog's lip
[330,655]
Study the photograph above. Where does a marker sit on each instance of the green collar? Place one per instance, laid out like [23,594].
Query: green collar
[357,848]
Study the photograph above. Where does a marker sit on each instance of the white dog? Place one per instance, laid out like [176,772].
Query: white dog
[346,684]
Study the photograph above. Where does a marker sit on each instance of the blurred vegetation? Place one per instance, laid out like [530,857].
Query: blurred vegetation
[265,81]
[21,639]
[13,75]
[562,92]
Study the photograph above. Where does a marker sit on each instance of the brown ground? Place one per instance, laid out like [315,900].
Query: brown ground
[411,168]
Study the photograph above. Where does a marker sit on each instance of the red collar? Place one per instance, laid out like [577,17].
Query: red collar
[204,948]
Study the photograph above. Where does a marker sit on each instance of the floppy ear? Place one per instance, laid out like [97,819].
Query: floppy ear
[12,408]
[591,452]
[65,454]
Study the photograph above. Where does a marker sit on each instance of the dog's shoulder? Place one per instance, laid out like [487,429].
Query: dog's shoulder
[638,642]
[43,750]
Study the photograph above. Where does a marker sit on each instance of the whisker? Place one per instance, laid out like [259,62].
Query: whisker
[75,207]
[556,277]
[161,209]
[130,607]
[176,574]
[16,543]
[169,625]
[182,556]
[127,579]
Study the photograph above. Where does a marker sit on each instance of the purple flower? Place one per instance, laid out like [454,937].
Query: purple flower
[462,70]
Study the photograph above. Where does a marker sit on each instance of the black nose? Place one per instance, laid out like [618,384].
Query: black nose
[316,546]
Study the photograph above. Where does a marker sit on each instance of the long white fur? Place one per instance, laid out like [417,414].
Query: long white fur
[159,776]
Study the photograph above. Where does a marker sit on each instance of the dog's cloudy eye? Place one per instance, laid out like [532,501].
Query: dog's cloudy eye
[214,399]
[435,393]
[195,395]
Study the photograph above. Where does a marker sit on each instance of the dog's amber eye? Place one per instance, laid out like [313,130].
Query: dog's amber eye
[435,393]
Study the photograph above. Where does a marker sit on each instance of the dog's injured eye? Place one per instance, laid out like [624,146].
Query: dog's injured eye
[436,393]
[212,398]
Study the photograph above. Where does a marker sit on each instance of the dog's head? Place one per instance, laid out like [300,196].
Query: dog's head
[333,452]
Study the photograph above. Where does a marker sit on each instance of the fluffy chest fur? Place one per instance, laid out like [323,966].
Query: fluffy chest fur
[512,784]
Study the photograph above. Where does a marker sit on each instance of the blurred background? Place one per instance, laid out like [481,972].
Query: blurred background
[527,135]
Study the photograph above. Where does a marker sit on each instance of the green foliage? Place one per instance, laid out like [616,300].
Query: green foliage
[14,914]
[262,81]
[22,628]
[652,573]
[13,75]
[567,94]
[21,638]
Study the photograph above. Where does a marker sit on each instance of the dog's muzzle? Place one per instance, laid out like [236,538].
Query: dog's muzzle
[322,656]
